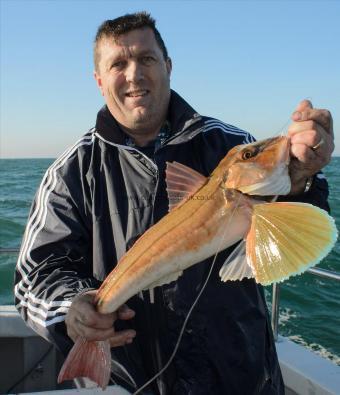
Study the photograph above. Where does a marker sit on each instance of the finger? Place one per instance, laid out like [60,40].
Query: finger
[304,104]
[82,314]
[94,334]
[97,320]
[311,139]
[320,143]
[301,107]
[322,117]
[125,313]
[85,312]
[122,337]
[307,137]
[104,321]
[83,305]
[297,127]
[303,153]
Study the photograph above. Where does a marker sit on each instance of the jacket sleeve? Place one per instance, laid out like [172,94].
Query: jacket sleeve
[317,194]
[54,263]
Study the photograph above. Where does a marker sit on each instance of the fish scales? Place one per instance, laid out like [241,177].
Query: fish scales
[189,234]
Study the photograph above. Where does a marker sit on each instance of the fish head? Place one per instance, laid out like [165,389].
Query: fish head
[259,168]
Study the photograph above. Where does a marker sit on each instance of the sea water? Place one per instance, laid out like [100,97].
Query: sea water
[309,307]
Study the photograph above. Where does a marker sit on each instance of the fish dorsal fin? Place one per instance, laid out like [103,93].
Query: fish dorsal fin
[181,183]
[287,238]
[236,266]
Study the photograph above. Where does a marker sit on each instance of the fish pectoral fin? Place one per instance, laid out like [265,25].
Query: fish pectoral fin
[181,183]
[236,266]
[166,279]
[287,238]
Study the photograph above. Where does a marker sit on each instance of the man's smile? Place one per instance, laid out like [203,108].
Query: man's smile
[134,77]
[137,93]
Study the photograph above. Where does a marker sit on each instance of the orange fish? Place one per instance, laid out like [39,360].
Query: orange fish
[207,215]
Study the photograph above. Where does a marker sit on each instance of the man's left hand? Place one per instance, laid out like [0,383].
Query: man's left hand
[312,143]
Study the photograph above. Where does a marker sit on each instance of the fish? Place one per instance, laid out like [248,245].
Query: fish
[207,215]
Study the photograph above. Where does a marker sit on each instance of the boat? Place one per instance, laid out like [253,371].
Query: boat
[30,365]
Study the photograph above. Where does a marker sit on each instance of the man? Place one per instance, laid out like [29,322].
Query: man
[107,189]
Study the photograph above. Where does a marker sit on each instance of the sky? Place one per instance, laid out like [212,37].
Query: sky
[248,63]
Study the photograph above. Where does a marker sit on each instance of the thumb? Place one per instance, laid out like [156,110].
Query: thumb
[303,105]
[301,108]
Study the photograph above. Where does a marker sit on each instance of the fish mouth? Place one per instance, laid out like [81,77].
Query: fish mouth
[277,183]
[279,148]
[261,168]
[284,151]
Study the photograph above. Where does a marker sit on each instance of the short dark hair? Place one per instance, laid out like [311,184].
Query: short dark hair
[124,24]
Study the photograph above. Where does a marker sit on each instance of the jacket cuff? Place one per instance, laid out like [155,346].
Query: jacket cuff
[317,194]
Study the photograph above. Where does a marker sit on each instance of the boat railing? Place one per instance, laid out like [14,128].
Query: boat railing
[328,274]
[9,250]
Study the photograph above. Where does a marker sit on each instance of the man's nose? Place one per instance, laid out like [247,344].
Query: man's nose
[134,72]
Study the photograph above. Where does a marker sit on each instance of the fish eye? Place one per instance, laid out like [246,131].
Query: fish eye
[247,154]
[250,152]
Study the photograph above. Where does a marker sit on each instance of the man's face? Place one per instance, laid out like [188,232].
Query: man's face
[134,78]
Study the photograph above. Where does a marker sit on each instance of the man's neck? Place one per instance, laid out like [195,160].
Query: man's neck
[155,140]
[141,137]
[143,140]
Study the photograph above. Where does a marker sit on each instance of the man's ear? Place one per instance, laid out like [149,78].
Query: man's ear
[98,81]
[169,66]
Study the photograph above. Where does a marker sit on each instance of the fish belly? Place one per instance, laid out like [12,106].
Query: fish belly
[171,246]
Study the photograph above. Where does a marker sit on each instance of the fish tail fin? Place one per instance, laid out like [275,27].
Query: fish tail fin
[287,238]
[88,359]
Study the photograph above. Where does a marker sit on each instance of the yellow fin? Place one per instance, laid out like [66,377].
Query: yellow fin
[287,238]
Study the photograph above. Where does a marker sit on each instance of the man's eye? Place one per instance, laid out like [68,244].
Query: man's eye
[118,65]
[147,60]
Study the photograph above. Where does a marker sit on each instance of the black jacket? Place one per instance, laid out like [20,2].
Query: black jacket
[93,203]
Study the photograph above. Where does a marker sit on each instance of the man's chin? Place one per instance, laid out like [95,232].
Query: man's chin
[140,112]
[142,118]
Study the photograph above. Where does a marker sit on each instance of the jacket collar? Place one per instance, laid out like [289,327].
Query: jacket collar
[180,115]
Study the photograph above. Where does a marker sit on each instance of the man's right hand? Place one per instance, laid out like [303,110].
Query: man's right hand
[83,320]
